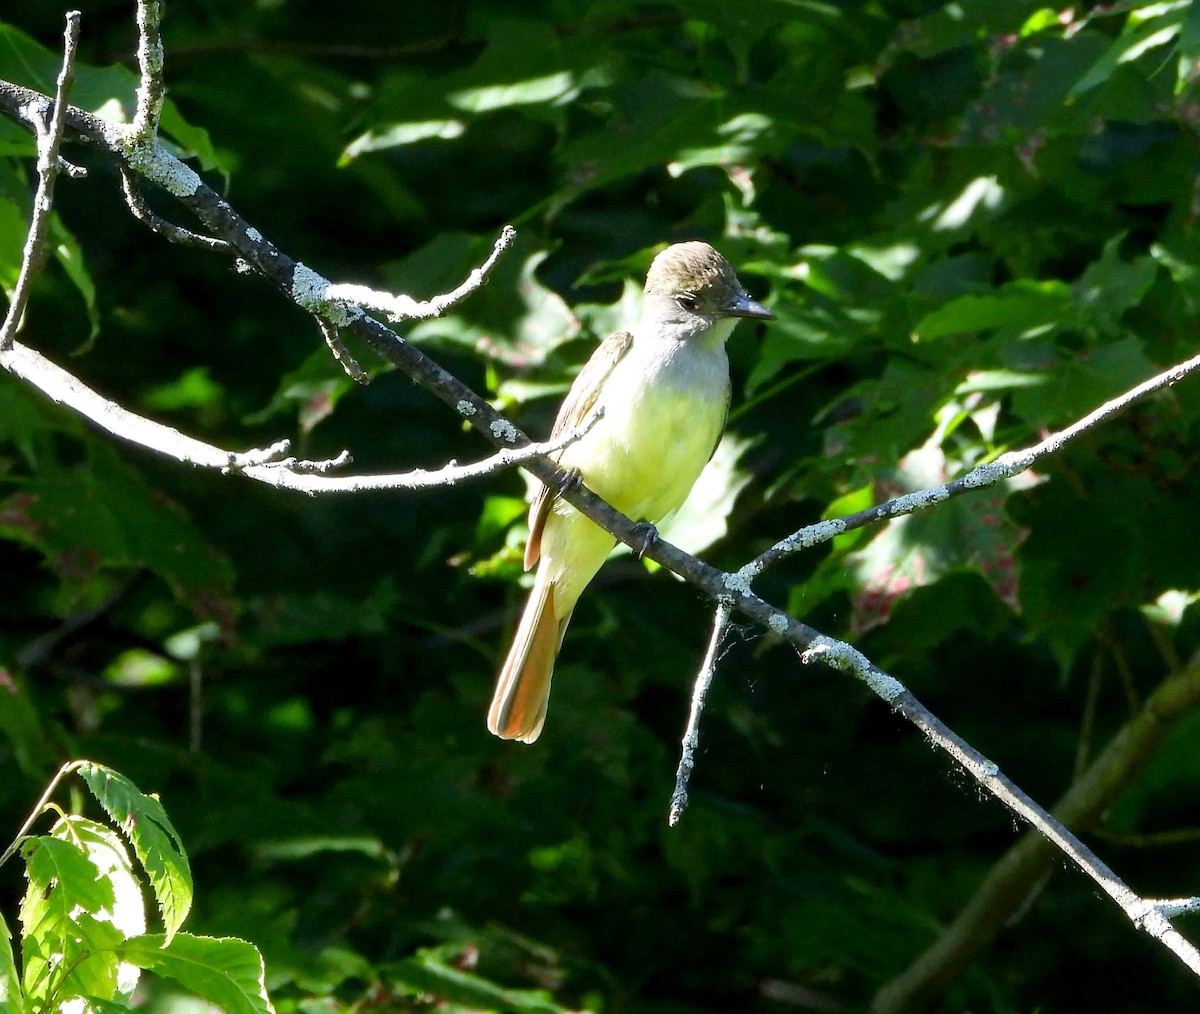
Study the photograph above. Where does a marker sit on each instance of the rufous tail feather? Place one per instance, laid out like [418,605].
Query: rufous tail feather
[518,708]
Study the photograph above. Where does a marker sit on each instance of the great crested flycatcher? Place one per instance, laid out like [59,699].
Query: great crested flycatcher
[664,389]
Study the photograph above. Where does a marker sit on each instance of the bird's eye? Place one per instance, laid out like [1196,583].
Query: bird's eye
[686,301]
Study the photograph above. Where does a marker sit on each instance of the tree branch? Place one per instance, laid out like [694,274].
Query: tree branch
[266,465]
[1004,467]
[691,735]
[152,89]
[49,133]
[400,307]
[1010,880]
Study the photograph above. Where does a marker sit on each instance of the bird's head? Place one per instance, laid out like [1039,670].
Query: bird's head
[692,286]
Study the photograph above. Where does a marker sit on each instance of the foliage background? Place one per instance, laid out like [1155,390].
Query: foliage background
[975,222]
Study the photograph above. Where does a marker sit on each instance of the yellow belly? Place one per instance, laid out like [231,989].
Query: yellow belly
[646,453]
[661,422]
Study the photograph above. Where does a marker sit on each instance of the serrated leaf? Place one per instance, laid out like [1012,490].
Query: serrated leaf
[223,970]
[159,848]
[127,913]
[67,936]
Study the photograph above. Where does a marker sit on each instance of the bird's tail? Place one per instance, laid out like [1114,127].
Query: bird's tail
[518,708]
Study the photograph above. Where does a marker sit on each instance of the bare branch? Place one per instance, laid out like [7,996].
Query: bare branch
[264,464]
[691,736]
[49,133]
[168,230]
[151,90]
[1004,467]
[341,353]
[400,307]
[1171,907]
[1004,890]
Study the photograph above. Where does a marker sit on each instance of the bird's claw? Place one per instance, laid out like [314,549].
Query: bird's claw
[647,535]
[569,482]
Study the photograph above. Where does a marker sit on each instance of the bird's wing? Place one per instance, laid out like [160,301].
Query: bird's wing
[576,408]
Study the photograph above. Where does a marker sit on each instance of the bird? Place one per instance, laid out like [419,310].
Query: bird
[663,388]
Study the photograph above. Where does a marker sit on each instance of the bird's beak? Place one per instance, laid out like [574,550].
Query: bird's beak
[743,306]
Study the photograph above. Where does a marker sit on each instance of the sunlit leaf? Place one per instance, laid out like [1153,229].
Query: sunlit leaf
[145,823]
[11,994]
[1138,37]
[67,918]
[223,970]
[1021,306]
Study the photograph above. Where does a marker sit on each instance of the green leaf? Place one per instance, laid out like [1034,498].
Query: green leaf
[106,91]
[919,549]
[532,318]
[22,726]
[1137,38]
[69,255]
[1020,306]
[11,995]
[13,230]
[127,913]
[223,970]
[68,934]
[1189,48]
[1110,286]
[427,973]
[104,514]
[145,823]
[1082,383]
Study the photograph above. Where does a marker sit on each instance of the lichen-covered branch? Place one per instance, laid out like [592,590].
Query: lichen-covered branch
[48,121]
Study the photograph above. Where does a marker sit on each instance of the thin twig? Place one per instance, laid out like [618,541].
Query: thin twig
[168,230]
[691,736]
[1150,839]
[195,705]
[65,770]
[399,307]
[1171,907]
[1010,879]
[261,464]
[1090,702]
[1004,467]
[49,133]
[342,354]
[151,89]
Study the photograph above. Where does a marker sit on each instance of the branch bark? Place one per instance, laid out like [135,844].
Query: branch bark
[1005,888]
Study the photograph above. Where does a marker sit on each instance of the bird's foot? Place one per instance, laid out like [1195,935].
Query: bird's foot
[569,482]
[647,535]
